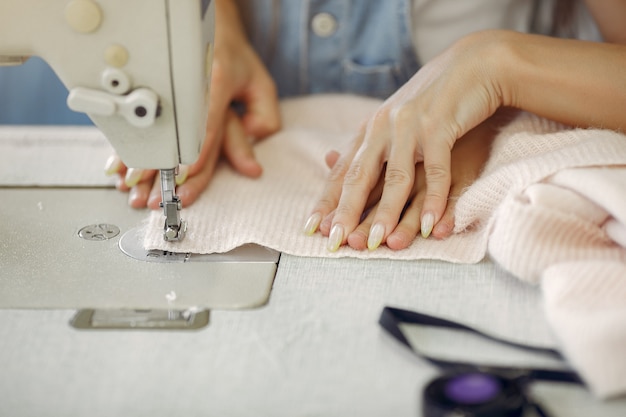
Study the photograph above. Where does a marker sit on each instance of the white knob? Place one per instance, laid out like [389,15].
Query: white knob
[86,100]
[139,108]
[115,81]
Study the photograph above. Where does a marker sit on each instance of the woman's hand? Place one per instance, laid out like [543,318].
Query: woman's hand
[238,76]
[420,123]
[468,158]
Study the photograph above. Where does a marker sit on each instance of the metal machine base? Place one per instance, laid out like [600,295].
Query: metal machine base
[62,251]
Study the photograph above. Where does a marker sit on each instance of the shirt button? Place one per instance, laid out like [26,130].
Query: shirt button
[324,25]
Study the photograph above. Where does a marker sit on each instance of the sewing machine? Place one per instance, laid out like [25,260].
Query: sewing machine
[139,69]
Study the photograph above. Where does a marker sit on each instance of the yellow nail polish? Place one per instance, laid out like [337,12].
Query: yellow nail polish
[133,175]
[377,232]
[336,238]
[112,165]
[312,224]
[183,173]
[428,221]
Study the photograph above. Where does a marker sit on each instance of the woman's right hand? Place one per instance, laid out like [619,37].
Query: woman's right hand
[238,76]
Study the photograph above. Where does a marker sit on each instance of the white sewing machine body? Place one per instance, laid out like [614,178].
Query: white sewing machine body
[140,69]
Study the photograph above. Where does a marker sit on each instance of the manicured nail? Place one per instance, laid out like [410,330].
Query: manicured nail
[312,224]
[133,175]
[376,236]
[183,173]
[428,221]
[112,165]
[336,238]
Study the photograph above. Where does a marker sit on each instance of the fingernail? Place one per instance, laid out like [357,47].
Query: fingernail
[112,165]
[428,221]
[335,238]
[133,175]
[183,172]
[312,224]
[376,236]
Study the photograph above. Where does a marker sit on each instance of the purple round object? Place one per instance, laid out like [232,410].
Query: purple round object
[473,388]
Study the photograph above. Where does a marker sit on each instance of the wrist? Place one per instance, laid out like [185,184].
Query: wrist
[494,64]
[228,26]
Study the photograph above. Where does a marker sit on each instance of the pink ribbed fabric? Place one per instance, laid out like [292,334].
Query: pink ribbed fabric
[584,302]
[554,233]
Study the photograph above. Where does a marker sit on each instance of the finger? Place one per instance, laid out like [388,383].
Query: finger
[155,198]
[193,187]
[399,175]
[113,164]
[438,179]
[237,148]
[139,195]
[372,200]
[182,174]
[262,116]
[358,238]
[325,224]
[399,178]
[409,225]
[332,190]
[359,180]
[136,175]
[140,191]
[220,97]
[445,226]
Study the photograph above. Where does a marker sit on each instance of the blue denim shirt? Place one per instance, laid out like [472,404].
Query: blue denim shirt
[32,94]
[321,46]
[309,46]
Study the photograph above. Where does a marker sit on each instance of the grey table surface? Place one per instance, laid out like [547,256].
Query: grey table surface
[314,350]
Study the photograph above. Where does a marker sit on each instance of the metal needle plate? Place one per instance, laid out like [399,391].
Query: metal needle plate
[131,244]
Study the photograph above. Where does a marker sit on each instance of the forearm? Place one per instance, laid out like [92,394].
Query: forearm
[228,21]
[610,16]
[574,82]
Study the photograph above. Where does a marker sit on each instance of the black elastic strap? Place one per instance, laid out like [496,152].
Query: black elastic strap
[391,318]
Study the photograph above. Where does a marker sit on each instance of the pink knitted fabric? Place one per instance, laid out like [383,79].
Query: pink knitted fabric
[555,218]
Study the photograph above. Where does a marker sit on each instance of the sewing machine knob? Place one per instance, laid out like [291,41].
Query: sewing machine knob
[115,81]
[84,16]
[89,101]
[140,108]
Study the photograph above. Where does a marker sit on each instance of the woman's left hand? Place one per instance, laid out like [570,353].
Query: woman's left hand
[467,160]
[420,123]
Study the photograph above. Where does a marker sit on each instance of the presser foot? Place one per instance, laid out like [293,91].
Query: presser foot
[174,228]
[173,233]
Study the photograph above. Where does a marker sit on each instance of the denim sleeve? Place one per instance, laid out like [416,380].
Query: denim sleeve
[327,46]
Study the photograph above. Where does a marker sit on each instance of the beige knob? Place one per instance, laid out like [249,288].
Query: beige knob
[116,56]
[83,16]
